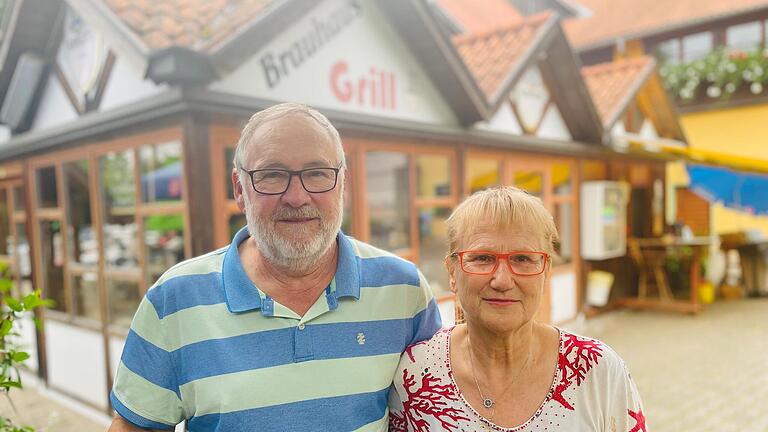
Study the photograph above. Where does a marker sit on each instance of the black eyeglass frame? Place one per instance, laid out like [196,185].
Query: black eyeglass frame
[291,174]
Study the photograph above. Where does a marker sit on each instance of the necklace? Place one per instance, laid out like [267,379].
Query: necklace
[489,403]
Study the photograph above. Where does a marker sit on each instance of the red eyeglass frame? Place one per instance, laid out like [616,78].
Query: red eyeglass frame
[499,257]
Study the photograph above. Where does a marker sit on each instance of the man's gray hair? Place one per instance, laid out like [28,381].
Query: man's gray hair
[281,110]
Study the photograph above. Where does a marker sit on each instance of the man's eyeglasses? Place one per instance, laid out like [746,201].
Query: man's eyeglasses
[276,181]
[485,262]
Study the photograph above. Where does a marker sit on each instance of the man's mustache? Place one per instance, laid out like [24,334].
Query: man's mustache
[296,213]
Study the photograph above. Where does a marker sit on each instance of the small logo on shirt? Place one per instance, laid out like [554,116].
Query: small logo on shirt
[361,338]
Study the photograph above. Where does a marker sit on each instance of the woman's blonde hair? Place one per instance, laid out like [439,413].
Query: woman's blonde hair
[503,207]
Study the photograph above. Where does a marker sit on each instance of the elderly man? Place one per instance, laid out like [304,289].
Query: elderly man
[292,327]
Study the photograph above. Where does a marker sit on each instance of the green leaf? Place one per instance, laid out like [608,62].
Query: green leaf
[20,356]
[5,327]
[14,304]
[31,301]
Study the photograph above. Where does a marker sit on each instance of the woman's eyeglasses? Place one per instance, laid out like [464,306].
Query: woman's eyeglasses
[481,262]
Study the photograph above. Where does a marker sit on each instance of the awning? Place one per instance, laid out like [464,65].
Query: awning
[739,190]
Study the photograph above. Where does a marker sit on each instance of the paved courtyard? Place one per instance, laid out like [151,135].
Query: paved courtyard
[695,373]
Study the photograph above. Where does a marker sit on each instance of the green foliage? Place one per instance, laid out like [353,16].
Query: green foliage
[721,73]
[11,356]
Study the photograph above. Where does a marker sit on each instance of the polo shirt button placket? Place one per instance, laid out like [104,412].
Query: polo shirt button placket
[301,326]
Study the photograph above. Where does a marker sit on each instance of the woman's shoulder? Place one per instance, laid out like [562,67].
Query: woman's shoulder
[586,353]
[428,349]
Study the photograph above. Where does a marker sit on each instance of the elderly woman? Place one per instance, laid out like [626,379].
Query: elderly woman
[503,370]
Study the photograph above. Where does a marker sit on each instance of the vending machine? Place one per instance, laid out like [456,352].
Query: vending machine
[603,219]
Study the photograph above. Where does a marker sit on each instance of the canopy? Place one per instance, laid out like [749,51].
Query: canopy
[740,190]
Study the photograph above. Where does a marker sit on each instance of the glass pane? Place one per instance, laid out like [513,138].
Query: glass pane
[52,251]
[697,46]
[531,182]
[744,36]
[161,172]
[47,195]
[86,292]
[433,248]
[18,198]
[123,301]
[164,244]
[564,222]
[23,263]
[118,192]
[228,158]
[669,51]
[236,221]
[6,241]
[82,241]
[481,174]
[346,221]
[561,179]
[388,200]
[433,176]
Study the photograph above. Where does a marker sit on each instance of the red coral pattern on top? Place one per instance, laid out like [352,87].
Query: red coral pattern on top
[639,418]
[427,400]
[577,357]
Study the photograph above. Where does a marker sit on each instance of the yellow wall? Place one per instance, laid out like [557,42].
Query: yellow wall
[739,131]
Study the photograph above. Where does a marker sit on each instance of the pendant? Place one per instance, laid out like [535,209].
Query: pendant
[488,403]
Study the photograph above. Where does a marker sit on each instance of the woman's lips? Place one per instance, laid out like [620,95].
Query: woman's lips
[500,302]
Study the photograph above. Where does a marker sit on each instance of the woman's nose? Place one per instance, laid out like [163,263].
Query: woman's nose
[503,279]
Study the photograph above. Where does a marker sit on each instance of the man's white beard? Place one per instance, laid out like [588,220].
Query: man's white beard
[293,256]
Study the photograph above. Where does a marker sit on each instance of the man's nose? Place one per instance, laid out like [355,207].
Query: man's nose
[296,195]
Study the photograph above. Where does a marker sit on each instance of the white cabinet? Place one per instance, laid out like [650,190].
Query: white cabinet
[603,219]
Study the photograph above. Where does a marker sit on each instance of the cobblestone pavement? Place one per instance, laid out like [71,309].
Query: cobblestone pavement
[695,373]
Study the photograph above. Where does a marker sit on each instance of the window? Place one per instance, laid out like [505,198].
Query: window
[747,36]
[697,46]
[668,52]
[47,193]
[433,176]
[481,174]
[531,182]
[161,172]
[388,200]
[433,241]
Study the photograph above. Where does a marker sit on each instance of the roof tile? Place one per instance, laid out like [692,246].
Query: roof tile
[194,24]
[491,55]
[477,15]
[611,83]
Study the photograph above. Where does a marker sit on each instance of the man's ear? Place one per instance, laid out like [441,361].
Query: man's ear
[237,188]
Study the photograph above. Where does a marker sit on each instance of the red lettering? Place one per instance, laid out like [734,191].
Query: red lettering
[340,86]
[376,89]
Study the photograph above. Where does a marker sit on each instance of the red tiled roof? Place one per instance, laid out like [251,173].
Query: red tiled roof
[611,83]
[491,55]
[479,15]
[194,24]
[610,19]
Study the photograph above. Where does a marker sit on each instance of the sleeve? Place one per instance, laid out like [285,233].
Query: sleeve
[426,320]
[626,407]
[397,420]
[146,392]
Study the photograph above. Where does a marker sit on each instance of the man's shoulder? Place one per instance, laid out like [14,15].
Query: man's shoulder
[200,265]
[378,266]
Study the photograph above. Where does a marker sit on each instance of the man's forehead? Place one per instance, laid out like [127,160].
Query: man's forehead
[287,137]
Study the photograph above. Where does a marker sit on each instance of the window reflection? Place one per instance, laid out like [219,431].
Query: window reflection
[164,244]
[388,200]
[563,216]
[697,46]
[118,191]
[86,295]
[433,237]
[745,36]
[531,182]
[561,179]
[481,174]
[47,194]
[123,301]
[52,251]
[433,176]
[82,240]
[161,170]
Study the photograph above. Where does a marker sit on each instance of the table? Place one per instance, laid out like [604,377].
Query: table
[662,246]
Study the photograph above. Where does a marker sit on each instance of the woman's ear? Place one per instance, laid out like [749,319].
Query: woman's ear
[449,265]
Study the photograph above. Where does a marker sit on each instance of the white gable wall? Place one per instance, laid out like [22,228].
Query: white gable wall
[530,95]
[342,55]
[125,85]
[55,108]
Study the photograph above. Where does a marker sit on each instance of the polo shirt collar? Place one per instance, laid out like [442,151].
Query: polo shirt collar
[243,296]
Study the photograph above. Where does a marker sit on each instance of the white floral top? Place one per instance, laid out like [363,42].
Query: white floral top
[591,391]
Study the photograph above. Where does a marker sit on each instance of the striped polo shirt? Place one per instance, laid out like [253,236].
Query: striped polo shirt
[207,346]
